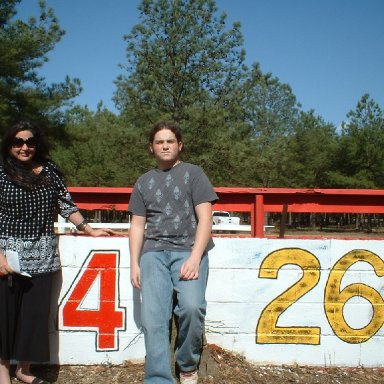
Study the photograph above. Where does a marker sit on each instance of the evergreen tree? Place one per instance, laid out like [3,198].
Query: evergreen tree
[360,159]
[179,57]
[23,50]
[100,149]
[311,153]
[270,110]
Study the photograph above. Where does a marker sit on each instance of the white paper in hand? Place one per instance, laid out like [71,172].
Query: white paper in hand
[13,261]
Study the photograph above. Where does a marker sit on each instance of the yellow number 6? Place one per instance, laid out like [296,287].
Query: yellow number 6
[335,299]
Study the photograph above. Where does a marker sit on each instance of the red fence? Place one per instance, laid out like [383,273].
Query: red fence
[255,201]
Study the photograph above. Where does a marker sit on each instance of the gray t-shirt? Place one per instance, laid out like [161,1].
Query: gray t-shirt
[167,199]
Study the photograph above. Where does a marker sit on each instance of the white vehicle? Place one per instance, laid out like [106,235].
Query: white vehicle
[224,217]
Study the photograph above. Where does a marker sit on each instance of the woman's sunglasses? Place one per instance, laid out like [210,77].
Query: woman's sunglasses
[18,142]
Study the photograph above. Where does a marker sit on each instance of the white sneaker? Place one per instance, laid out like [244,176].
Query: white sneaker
[188,378]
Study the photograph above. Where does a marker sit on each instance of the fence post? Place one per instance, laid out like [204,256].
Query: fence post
[283,221]
[258,224]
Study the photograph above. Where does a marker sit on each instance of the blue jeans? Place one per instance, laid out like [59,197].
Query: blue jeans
[159,280]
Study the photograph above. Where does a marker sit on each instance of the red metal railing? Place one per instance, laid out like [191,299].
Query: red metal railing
[255,201]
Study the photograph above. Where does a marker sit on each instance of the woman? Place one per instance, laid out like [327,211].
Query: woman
[32,189]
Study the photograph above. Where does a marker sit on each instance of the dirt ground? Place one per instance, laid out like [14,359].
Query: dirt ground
[222,367]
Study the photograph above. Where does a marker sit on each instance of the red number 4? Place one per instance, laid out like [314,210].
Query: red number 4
[91,303]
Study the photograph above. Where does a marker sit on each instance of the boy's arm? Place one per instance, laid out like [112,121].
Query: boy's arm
[190,269]
[136,240]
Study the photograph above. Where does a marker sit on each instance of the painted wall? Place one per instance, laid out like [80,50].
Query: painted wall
[311,302]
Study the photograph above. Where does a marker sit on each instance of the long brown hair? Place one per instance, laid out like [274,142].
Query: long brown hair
[16,171]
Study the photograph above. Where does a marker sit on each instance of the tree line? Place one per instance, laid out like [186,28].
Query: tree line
[185,63]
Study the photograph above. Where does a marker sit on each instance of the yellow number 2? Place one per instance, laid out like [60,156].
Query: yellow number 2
[267,331]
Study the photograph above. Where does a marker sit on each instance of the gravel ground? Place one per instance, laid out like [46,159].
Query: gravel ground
[222,367]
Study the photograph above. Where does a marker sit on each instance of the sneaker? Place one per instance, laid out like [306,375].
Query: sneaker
[188,377]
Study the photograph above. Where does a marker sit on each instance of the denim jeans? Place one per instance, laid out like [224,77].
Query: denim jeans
[159,280]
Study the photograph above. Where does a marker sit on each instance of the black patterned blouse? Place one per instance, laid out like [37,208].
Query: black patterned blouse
[27,220]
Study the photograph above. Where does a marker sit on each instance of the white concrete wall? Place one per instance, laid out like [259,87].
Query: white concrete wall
[311,302]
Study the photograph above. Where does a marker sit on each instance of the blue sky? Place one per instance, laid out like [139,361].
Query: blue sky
[330,52]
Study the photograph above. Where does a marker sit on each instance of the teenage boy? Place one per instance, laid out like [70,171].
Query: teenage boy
[170,234]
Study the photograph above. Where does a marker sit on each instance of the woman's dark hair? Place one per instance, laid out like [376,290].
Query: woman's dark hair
[14,169]
[165,125]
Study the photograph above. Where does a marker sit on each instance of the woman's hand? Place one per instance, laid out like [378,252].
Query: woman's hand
[101,232]
[77,219]
[5,269]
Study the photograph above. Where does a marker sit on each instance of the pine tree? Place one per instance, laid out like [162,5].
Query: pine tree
[23,51]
